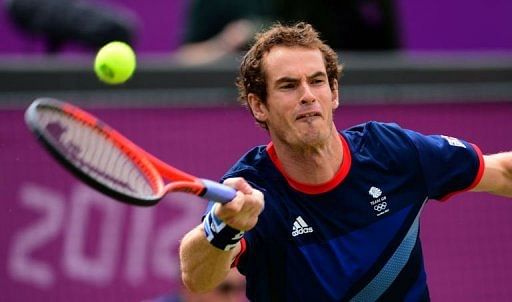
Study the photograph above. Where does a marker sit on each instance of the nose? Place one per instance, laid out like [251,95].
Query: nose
[307,94]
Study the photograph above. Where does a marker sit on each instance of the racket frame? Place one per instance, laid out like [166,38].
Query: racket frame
[179,180]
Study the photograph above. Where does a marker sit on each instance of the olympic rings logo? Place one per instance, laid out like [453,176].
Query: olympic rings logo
[380,207]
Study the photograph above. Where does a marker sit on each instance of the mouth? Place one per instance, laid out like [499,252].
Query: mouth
[308,115]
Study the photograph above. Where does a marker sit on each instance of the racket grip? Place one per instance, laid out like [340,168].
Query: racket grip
[218,192]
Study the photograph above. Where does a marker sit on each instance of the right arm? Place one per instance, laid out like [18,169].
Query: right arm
[204,266]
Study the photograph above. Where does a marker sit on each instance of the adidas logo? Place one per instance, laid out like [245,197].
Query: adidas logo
[300,227]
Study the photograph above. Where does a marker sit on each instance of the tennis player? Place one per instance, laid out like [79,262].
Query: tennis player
[322,214]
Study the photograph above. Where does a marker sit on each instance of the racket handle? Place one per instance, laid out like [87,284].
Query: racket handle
[218,192]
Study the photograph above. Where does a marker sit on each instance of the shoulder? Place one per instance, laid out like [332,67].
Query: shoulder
[374,128]
[383,136]
[250,164]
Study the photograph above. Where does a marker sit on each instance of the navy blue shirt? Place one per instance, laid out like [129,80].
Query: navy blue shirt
[356,237]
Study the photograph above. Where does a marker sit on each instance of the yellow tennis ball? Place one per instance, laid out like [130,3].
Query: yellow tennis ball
[115,63]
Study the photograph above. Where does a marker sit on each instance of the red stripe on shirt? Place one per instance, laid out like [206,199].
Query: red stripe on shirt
[478,176]
[243,248]
[340,175]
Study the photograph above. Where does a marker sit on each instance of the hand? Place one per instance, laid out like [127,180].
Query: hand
[243,211]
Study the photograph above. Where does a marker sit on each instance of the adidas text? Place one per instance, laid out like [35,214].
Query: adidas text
[302,231]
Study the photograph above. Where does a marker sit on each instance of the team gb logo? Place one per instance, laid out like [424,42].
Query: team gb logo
[375,192]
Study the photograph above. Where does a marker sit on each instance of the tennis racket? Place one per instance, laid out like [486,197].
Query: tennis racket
[109,162]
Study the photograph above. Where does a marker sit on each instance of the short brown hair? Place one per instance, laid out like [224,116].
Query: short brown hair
[252,76]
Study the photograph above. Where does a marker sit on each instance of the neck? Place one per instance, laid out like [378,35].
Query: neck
[311,165]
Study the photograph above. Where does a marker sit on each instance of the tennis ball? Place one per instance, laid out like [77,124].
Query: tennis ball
[115,63]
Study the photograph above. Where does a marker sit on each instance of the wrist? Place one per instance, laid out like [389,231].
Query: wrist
[219,234]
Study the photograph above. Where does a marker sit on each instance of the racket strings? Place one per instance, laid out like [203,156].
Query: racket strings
[149,174]
[91,150]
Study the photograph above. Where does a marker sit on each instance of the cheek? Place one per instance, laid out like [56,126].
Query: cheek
[281,108]
[281,115]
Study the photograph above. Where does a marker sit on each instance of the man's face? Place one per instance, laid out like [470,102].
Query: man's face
[300,101]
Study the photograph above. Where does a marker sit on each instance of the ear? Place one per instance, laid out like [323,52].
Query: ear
[258,108]
[335,94]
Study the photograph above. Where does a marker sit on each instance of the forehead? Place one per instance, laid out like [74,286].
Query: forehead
[283,61]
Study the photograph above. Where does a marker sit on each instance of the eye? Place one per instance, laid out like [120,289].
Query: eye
[287,86]
[318,81]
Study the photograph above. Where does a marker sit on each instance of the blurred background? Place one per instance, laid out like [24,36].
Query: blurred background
[438,67]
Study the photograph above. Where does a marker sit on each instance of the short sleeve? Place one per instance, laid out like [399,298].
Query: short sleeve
[449,165]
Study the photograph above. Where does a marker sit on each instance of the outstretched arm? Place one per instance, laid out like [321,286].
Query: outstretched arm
[203,265]
[497,177]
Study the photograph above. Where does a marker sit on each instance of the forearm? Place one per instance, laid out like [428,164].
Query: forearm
[203,266]
[497,177]
[504,183]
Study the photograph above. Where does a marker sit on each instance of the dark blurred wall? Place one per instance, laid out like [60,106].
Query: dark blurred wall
[431,25]
[158,26]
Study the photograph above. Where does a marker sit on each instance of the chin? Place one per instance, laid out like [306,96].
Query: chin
[313,138]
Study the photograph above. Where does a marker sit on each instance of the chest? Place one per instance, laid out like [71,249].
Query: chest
[334,240]
[355,205]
